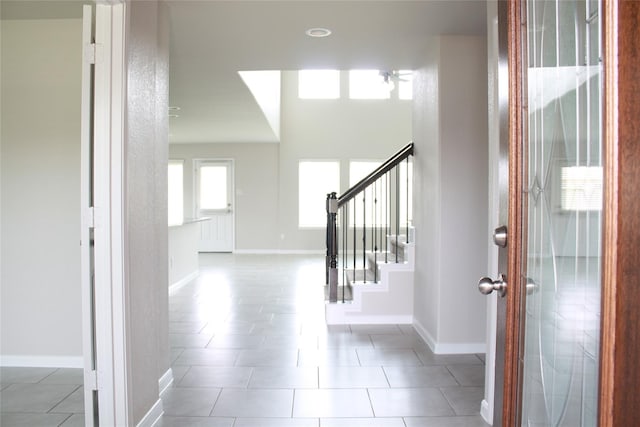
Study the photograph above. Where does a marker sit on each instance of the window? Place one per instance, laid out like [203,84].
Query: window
[581,188]
[175,200]
[213,186]
[319,84]
[316,179]
[368,84]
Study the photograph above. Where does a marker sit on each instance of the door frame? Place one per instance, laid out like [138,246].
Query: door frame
[619,403]
[111,328]
[618,400]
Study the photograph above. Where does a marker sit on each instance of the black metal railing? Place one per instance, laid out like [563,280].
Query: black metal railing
[371,212]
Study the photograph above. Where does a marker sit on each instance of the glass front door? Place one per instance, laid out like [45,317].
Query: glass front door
[563,213]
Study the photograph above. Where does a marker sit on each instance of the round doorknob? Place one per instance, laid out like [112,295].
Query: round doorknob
[486,285]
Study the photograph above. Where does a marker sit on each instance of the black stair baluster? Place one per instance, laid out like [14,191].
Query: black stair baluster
[355,243]
[364,235]
[345,216]
[407,199]
[397,210]
[375,230]
[387,206]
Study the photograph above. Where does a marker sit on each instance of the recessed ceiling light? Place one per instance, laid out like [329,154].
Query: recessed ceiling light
[318,32]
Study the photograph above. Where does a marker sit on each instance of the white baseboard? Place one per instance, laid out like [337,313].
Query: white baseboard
[486,412]
[279,252]
[152,417]
[165,381]
[42,361]
[186,279]
[448,348]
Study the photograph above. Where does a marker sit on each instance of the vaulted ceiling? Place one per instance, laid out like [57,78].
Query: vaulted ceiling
[211,41]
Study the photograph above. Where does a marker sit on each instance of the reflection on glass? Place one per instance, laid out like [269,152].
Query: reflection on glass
[563,205]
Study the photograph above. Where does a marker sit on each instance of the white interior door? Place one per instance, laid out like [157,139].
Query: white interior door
[214,200]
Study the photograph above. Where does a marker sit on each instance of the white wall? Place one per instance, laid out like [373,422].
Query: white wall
[267,174]
[450,131]
[183,252]
[40,175]
[145,153]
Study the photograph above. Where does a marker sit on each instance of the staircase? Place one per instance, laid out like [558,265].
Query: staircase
[385,297]
[371,280]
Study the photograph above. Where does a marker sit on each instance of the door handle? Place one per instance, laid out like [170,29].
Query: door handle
[500,236]
[486,285]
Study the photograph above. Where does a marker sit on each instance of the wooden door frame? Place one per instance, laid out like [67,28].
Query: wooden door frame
[514,309]
[618,400]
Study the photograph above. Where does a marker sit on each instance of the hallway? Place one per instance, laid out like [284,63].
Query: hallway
[250,348]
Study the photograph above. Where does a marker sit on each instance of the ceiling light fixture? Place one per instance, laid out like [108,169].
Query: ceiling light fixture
[318,32]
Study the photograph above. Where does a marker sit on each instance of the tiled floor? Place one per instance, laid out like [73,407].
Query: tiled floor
[250,349]
[36,397]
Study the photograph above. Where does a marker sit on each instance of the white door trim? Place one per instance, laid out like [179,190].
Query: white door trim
[110,244]
[86,215]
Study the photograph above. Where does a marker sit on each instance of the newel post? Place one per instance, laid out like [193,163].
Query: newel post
[332,247]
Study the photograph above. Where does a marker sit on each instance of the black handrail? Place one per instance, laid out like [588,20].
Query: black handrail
[393,161]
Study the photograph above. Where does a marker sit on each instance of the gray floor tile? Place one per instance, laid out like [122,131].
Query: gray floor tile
[189,401]
[31,420]
[276,377]
[468,375]
[343,340]
[428,358]
[276,422]
[219,377]
[65,376]
[268,357]
[34,397]
[179,371]
[254,403]
[328,357]
[189,340]
[419,376]
[236,341]
[207,357]
[20,375]
[388,357]
[291,341]
[352,377]
[475,421]
[186,327]
[75,420]
[398,341]
[361,422]
[409,402]
[332,404]
[376,329]
[74,403]
[168,421]
[464,400]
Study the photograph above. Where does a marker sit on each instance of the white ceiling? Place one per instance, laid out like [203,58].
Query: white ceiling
[212,40]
